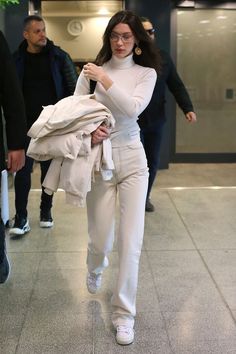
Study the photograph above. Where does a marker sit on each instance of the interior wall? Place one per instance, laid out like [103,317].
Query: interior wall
[204,37]
[83,47]
[78,26]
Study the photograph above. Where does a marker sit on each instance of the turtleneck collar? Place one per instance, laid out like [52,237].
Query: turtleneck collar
[122,63]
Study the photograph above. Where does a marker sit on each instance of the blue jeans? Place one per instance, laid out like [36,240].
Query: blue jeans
[23,185]
[151,139]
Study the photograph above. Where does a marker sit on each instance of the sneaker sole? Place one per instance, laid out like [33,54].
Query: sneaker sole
[120,342]
[149,210]
[91,291]
[17,231]
[46,224]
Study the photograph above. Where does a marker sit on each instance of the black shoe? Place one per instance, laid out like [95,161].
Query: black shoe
[4,266]
[149,206]
[46,220]
[20,227]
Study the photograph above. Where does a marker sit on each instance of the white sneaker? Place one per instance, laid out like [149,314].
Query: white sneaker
[20,227]
[94,282]
[46,220]
[124,335]
[46,224]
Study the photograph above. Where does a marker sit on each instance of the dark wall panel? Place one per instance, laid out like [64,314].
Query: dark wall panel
[159,12]
[14,16]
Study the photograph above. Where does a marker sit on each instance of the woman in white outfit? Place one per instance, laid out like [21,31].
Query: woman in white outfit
[125,74]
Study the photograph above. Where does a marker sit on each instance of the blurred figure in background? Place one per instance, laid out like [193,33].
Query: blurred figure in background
[12,104]
[153,118]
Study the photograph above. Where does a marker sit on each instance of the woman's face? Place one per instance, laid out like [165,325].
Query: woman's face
[122,40]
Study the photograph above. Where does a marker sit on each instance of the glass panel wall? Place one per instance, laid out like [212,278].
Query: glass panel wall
[206,52]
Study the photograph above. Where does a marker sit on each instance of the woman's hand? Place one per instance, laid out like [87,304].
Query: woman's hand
[97,73]
[100,134]
[93,72]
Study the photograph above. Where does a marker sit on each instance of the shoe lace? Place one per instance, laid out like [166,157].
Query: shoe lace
[124,329]
[93,278]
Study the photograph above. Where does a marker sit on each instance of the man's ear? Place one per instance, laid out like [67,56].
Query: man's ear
[25,35]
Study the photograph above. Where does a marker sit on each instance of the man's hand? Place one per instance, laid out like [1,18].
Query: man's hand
[191,117]
[15,160]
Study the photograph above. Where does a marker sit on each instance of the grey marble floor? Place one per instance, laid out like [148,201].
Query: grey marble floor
[186,302]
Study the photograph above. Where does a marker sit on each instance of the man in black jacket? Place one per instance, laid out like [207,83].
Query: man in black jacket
[152,120]
[14,124]
[47,74]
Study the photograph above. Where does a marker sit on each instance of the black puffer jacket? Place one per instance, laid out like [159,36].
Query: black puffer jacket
[169,77]
[12,104]
[63,69]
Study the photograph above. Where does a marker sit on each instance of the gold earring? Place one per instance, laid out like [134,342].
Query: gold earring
[138,51]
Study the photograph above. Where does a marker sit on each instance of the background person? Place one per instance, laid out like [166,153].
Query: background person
[47,74]
[153,119]
[12,104]
[125,74]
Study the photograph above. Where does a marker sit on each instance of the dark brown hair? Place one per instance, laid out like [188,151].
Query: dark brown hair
[27,21]
[150,56]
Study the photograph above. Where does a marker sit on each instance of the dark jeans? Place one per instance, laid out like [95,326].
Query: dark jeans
[23,185]
[2,230]
[151,139]
[2,238]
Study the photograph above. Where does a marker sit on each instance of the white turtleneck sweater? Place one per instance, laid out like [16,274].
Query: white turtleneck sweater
[128,96]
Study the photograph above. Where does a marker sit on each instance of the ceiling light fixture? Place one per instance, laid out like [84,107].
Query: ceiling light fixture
[103,11]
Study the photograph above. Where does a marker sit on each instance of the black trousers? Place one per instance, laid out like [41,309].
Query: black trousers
[151,139]
[2,238]
[2,230]
[23,184]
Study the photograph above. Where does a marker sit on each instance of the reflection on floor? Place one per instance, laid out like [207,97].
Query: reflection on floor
[186,300]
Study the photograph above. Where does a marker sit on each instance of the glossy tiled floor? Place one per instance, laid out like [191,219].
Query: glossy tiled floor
[186,300]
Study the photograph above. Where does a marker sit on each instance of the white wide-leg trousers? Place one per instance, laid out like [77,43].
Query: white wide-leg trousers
[129,183]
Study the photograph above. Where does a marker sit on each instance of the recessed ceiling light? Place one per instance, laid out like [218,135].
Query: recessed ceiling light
[221,17]
[103,11]
[205,21]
